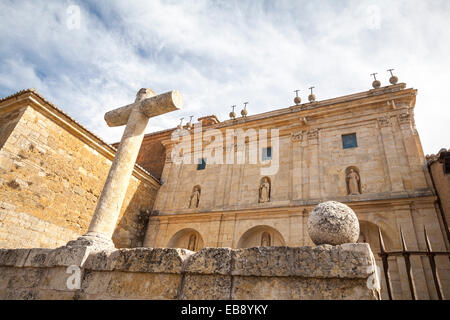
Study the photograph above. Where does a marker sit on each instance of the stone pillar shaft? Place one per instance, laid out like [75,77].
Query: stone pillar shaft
[110,202]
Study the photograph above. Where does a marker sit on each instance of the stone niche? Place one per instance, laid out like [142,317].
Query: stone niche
[322,272]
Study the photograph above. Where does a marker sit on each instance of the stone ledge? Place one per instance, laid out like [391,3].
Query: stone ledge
[156,260]
[322,272]
[13,257]
[325,261]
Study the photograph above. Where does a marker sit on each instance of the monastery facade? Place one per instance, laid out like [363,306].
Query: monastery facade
[361,149]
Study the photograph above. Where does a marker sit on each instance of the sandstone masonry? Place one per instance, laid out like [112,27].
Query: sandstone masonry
[322,272]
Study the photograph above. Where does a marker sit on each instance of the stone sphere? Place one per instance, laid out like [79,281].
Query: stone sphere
[333,223]
[376,84]
[393,80]
[232,115]
[297,100]
[244,112]
[312,97]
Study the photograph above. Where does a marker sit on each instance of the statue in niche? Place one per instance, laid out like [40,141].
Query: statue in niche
[264,190]
[265,239]
[353,182]
[195,197]
[192,240]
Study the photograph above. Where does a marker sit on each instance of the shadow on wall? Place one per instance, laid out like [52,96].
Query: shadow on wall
[8,121]
[188,239]
[261,236]
[131,228]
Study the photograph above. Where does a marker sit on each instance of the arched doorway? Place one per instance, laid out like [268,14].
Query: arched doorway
[188,239]
[261,236]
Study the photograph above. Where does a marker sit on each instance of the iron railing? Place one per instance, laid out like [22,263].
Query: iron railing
[406,255]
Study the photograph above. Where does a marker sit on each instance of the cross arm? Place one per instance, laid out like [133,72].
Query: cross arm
[151,107]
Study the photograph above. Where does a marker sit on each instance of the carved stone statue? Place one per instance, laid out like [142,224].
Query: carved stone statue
[265,239]
[264,191]
[195,197]
[191,244]
[353,183]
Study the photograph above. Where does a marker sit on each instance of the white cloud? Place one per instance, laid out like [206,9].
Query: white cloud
[223,53]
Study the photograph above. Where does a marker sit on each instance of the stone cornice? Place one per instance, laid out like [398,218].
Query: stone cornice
[319,109]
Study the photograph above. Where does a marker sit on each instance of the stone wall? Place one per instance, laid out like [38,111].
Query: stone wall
[52,172]
[322,272]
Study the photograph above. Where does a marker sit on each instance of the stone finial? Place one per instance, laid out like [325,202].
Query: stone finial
[180,126]
[393,79]
[333,223]
[376,83]
[244,111]
[312,96]
[297,99]
[189,124]
[232,113]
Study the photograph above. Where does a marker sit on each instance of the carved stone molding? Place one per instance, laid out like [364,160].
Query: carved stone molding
[404,117]
[384,122]
[297,136]
[313,134]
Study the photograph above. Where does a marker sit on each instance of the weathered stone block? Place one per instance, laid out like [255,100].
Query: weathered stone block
[56,279]
[206,287]
[13,257]
[128,285]
[38,257]
[26,278]
[262,261]
[95,283]
[68,256]
[210,261]
[21,294]
[164,260]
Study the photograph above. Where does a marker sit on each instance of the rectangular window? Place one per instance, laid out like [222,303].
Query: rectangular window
[349,141]
[201,164]
[266,154]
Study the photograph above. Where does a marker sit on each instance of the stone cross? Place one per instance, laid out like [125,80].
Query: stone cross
[135,116]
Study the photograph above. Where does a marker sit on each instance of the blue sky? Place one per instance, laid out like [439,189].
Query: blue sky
[223,53]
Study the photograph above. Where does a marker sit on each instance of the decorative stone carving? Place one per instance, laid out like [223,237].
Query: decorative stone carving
[168,156]
[265,239]
[333,223]
[404,118]
[384,122]
[192,241]
[264,190]
[195,197]
[353,181]
[313,134]
[297,136]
